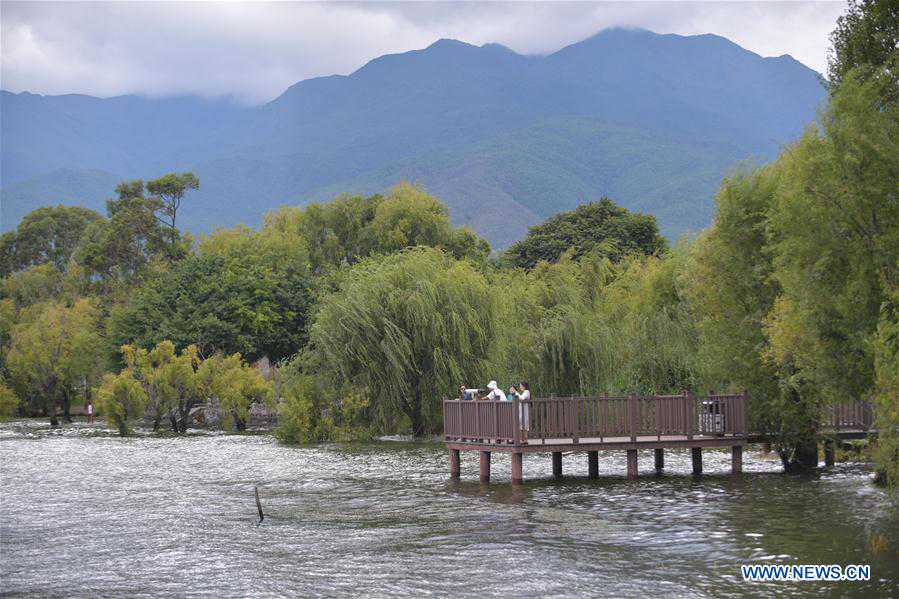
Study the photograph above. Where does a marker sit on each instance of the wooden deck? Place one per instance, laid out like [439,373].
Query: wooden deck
[627,423]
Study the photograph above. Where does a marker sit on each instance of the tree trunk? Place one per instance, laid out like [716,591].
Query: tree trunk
[801,457]
[66,407]
[413,411]
[240,424]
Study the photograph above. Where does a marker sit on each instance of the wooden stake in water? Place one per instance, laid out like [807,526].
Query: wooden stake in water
[259,506]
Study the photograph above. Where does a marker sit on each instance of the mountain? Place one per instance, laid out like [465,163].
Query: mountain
[652,121]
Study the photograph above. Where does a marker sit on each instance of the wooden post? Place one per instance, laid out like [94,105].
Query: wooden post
[485,466]
[574,410]
[736,459]
[592,464]
[557,464]
[516,467]
[697,460]
[516,425]
[632,464]
[660,460]
[455,462]
[691,405]
[828,453]
[632,416]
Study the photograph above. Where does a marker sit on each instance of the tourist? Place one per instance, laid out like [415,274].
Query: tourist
[495,393]
[468,394]
[523,393]
[90,411]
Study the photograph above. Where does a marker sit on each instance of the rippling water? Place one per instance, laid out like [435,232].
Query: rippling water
[86,513]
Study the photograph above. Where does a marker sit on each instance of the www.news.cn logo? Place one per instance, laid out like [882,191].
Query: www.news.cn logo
[831,572]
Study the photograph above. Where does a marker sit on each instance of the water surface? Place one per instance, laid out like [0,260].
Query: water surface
[85,513]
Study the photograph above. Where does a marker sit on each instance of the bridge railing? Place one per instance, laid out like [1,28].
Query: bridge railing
[857,415]
[598,417]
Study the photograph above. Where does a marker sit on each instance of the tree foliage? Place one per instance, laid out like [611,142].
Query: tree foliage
[350,228]
[56,352]
[243,292]
[121,399]
[601,226]
[167,193]
[427,321]
[236,385]
[9,401]
[865,39]
[119,250]
[48,235]
[162,383]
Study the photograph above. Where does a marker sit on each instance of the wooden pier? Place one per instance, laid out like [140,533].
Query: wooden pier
[629,423]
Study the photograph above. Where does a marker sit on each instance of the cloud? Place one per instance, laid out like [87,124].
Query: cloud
[253,51]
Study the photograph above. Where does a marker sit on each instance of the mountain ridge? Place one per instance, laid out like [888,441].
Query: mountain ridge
[506,139]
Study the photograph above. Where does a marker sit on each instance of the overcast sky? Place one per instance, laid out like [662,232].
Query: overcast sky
[253,51]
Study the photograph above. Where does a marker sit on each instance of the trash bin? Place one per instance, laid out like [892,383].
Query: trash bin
[711,420]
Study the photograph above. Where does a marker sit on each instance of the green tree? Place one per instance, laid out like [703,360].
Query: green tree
[866,38]
[601,226]
[48,235]
[835,231]
[236,385]
[55,351]
[350,228]
[9,401]
[35,284]
[121,399]
[731,288]
[886,397]
[167,194]
[245,292]
[405,330]
[119,250]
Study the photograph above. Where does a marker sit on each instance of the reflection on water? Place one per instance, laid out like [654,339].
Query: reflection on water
[83,512]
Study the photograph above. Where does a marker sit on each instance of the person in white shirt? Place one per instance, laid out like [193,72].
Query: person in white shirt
[494,392]
[523,393]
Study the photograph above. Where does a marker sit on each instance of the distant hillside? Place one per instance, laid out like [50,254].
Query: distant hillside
[650,120]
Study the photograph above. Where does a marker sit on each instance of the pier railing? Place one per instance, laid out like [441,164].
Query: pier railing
[599,417]
[857,415]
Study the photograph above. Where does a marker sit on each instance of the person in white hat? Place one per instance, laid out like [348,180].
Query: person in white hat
[495,392]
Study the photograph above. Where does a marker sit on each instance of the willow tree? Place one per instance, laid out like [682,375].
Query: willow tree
[651,332]
[731,289]
[9,401]
[835,231]
[351,228]
[121,398]
[407,329]
[556,338]
[236,385]
[55,351]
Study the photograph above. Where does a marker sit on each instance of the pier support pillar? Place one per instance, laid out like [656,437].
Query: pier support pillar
[455,462]
[632,464]
[485,466]
[736,459]
[516,467]
[660,460]
[592,464]
[697,460]
[828,453]
[557,464]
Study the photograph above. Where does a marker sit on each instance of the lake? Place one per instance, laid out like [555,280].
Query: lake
[85,513]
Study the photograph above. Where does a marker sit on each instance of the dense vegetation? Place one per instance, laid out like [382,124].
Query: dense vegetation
[376,307]
[598,227]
